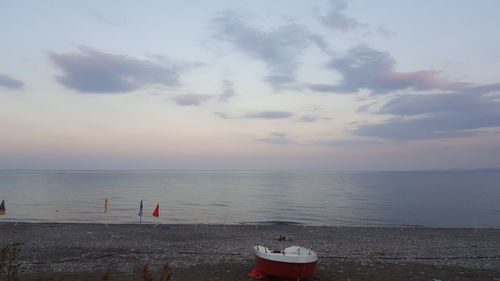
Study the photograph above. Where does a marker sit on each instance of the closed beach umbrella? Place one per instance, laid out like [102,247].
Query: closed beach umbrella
[140,209]
[106,205]
[140,212]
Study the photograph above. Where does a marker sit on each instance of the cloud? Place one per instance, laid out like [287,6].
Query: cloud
[382,30]
[228,91]
[99,17]
[308,118]
[258,115]
[365,68]
[345,143]
[337,20]
[191,99]
[323,87]
[434,116]
[222,115]
[276,138]
[7,81]
[311,118]
[91,71]
[269,115]
[279,49]
[279,81]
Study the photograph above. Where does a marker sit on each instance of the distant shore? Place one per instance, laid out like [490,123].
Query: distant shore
[225,250]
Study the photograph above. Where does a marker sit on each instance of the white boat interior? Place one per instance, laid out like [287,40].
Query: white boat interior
[293,254]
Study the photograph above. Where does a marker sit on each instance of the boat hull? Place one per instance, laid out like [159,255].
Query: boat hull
[284,269]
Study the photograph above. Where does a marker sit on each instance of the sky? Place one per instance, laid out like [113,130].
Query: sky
[236,85]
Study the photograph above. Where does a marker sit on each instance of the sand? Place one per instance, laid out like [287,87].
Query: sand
[218,252]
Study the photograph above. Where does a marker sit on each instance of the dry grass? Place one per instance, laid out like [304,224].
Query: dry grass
[145,273]
[105,276]
[166,273]
[9,267]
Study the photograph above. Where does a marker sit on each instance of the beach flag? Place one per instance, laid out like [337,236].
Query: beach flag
[106,205]
[140,209]
[156,212]
[2,208]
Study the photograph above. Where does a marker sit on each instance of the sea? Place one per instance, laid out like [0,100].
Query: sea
[438,199]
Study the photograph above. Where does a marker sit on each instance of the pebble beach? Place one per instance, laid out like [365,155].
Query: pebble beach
[224,252]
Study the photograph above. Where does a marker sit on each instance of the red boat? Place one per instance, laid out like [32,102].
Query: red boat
[294,262]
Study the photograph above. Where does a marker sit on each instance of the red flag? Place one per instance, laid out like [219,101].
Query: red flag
[156,212]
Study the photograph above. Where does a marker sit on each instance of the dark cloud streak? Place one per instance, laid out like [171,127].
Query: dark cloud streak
[91,71]
[279,49]
[269,115]
[191,99]
[365,68]
[8,82]
[345,143]
[308,119]
[337,20]
[228,91]
[276,138]
[434,116]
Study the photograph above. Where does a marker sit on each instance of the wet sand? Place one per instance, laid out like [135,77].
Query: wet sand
[218,252]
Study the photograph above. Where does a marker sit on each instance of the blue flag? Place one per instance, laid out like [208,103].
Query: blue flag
[140,209]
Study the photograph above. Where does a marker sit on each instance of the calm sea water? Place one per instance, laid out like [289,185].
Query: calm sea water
[431,199]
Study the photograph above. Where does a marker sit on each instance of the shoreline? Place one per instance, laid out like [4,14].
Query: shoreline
[64,248]
[252,224]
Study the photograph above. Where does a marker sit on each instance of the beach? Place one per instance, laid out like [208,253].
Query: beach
[223,252]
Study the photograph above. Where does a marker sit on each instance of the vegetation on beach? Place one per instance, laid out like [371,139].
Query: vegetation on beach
[9,266]
[146,275]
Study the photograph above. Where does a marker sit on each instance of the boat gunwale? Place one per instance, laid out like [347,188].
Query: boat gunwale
[283,258]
